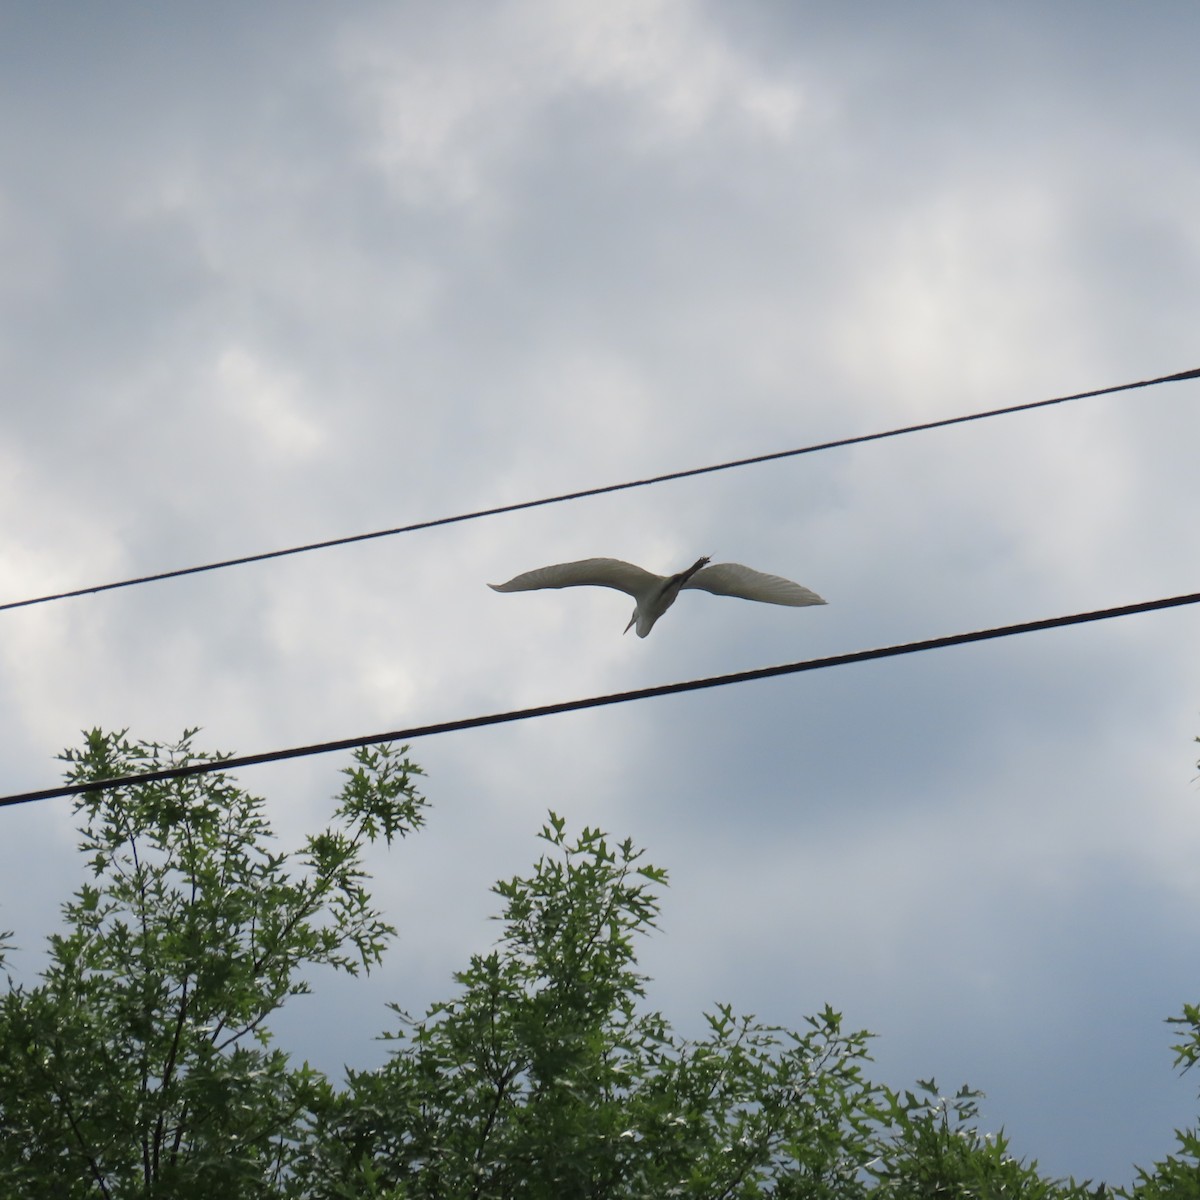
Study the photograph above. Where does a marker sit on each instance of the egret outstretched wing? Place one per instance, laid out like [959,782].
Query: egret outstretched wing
[732,579]
[588,572]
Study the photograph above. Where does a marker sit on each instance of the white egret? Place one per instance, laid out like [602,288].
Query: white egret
[654,594]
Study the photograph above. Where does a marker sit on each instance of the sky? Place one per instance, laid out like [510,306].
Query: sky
[281,273]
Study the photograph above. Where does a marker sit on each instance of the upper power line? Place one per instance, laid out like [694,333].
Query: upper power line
[546,710]
[597,491]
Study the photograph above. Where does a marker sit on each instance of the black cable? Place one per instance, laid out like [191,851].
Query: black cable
[546,710]
[596,491]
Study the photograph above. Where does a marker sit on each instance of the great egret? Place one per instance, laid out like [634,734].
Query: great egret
[654,594]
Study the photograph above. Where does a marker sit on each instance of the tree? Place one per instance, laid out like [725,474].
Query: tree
[931,1147]
[543,1079]
[1177,1177]
[141,1064]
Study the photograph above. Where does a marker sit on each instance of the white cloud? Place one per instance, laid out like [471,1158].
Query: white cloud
[452,102]
[265,400]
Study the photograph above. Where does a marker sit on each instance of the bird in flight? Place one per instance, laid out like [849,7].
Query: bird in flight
[654,594]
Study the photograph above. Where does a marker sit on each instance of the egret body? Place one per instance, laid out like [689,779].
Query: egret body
[654,594]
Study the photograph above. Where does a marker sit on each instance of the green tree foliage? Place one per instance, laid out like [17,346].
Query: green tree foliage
[141,1065]
[1177,1177]
[543,1078]
[933,1148]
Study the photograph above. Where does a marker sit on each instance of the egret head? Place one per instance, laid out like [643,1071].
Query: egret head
[645,615]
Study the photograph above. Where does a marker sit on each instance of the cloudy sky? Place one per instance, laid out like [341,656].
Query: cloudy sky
[277,273]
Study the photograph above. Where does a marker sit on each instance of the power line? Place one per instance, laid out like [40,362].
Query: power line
[595,491]
[565,706]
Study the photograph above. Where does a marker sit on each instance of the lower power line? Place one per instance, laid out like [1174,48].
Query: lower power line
[565,706]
